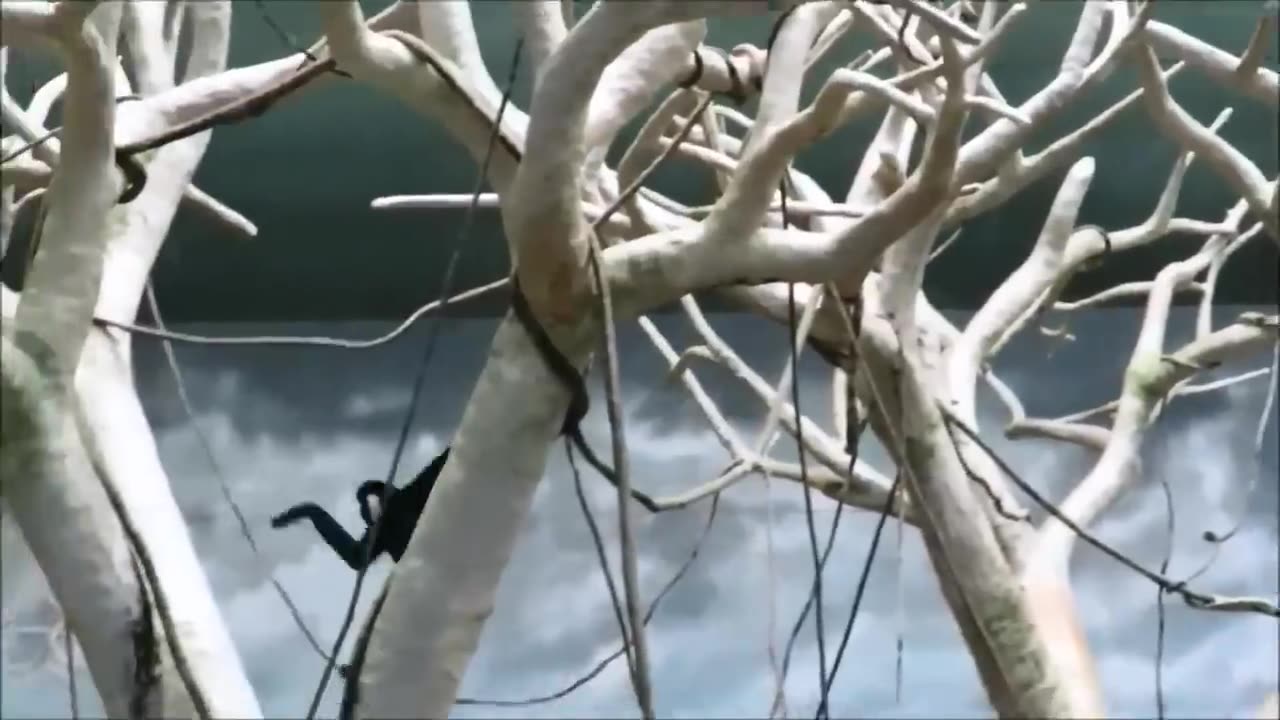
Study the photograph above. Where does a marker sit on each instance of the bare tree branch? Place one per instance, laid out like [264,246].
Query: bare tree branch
[1262,84]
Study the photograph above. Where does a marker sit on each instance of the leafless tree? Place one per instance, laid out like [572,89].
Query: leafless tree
[82,476]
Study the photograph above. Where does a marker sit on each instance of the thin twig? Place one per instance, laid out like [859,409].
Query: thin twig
[864,577]
[288,40]
[852,329]
[622,650]
[1192,598]
[305,340]
[1220,538]
[628,646]
[900,611]
[69,647]
[1160,611]
[636,656]
[942,247]
[792,340]
[613,391]
[771,627]
[808,605]
[1265,416]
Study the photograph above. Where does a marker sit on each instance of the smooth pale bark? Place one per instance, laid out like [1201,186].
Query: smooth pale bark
[120,248]
[977,574]
[49,484]
[500,450]
[446,26]
[1262,84]
[444,585]
[1050,605]
[113,414]
[543,25]
[1231,165]
[541,209]
[63,281]
[62,510]
[593,81]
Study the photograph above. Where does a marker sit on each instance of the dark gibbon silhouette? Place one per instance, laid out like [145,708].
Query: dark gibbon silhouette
[400,508]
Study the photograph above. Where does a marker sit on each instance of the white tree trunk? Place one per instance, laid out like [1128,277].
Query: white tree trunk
[59,504]
[76,440]
[107,414]
[478,510]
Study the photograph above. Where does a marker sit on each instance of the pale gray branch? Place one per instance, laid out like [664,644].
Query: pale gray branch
[1262,84]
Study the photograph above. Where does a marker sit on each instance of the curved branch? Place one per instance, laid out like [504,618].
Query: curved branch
[112,418]
[1150,376]
[982,155]
[409,69]
[628,84]
[1259,83]
[543,25]
[1020,290]
[447,27]
[1240,173]
[541,211]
